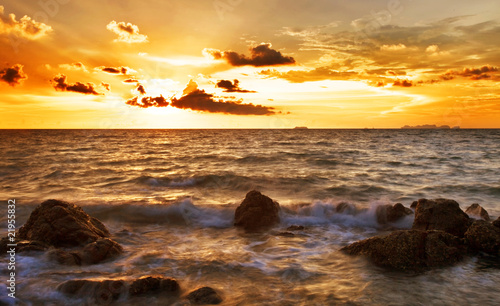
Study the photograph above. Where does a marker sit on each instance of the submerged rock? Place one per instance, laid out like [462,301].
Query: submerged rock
[257,211]
[204,295]
[346,208]
[95,292]
[154,284]
[483,236]
[23,246]
[441,214]
[410,250]
[62,224]
[388,213]
[478,212]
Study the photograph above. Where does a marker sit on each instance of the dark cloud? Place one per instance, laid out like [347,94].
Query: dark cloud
[130,80]
[198,100]
[106,86]
[403,83]
[146,102]
[141,89]
[261,55]
[229,86]
[13,75]
[112,70]
[59,83]
[482,73]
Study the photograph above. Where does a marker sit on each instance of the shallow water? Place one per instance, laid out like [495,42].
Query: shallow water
[168,196]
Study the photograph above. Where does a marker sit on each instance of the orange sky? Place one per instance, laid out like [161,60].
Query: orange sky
[249,64]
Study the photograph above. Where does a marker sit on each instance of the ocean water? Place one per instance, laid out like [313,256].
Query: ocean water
[168,196]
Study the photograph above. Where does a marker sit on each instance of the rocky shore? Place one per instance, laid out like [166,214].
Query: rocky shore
[442,234]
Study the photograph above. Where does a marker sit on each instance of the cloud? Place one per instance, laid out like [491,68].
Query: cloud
[119,70]
[146,102]
[127,32]
[106,86]
[318,74]
[484,72]
[78,66]
[262,55]
[198,100]
[13,75]
[25,27]
[60,84]
[403,83]
[397,47]
[229,86]
[130,80]
[141,89]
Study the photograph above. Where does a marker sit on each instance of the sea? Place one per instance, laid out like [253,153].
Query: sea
[169,196]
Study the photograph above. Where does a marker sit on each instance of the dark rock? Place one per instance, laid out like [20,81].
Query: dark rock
[497,222]
[97,292]
[23,246]
[64,257]
[411,250]
[204,295]
[100,250]
[414,205]
[441,214]
[483,236]
[62,224]
[346,208]
[295,228]
[154,284]
[388,213]
[478,212]
[257,211]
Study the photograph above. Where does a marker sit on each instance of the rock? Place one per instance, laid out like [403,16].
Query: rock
[257,211]
[411,250]
[204,295]
[64,258]
[497,222]
[414,205]
[156,284]
[346,208]
[62,224]
[97,292]
[295,228]
[388,213]
[441,214]
[23,246]
[477,212]
[483,236]
[100,250]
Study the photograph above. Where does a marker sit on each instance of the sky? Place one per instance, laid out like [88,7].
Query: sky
[249,64]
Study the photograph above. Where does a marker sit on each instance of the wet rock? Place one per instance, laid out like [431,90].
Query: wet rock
[411,250]
[23,246]
[483,236]
[295,228]
[99,251]
[154,284]
[257,211]
[497,222]
[477,212]
[64,258]
[95,292]
[414,205]
[62,224]
[346,208]
[388,213]
[204,295]
[441,214]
